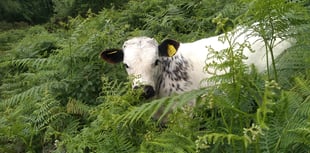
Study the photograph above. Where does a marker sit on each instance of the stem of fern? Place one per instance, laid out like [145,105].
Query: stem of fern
[224,121]
[270,46]
[267,58]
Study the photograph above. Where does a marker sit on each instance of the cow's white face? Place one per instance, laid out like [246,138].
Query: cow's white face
[142,62]
[141,57]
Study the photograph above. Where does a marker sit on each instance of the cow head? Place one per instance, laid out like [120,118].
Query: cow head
[142,58]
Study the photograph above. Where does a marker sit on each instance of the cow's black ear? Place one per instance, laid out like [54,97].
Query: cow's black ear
[168,48]
[112,55]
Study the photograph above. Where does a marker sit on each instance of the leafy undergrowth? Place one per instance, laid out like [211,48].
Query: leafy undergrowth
[56,95]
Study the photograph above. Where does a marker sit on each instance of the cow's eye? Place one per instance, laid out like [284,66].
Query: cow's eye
[126,66]
[157,62]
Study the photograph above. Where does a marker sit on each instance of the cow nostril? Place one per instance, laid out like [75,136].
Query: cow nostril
[135,87]
[148,92]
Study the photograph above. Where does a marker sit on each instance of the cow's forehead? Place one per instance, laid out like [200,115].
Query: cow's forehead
[140,42]
[140,49]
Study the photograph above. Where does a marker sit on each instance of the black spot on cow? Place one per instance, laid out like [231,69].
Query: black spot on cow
[175,71]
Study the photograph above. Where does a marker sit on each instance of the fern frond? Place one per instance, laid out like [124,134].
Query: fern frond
[289,117]
[47,111]
[207,140]
[77,107]
[112,87]
[302,86]
[31,93]
[121,145]
[265,142]
[178,101]
[168,103]
[167,143]
[303,134]
[33,62]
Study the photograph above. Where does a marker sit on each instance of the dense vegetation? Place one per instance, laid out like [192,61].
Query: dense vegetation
[56,95]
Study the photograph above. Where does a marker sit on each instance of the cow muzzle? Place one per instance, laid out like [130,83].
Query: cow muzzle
[148,91]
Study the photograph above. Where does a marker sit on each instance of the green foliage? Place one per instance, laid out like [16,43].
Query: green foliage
[30,11]
[273,20]
[65,8]
[42,10]
[56,95]
[42,62]
[183,20]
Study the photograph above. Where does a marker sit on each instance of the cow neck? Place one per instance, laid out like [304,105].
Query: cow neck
[175,74]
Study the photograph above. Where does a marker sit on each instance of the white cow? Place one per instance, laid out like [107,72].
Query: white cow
[174,67]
